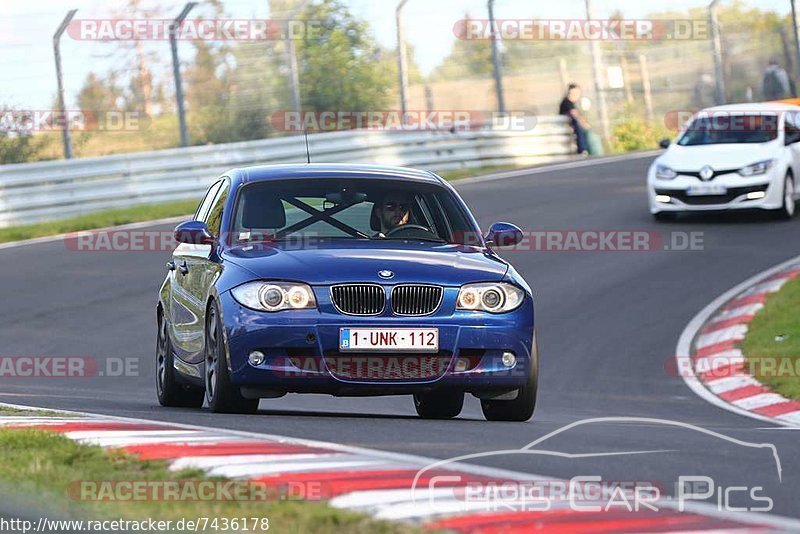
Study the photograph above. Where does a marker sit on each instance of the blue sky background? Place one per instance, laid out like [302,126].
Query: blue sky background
[27,73]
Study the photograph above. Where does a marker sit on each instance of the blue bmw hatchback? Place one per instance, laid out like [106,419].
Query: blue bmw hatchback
[345,280]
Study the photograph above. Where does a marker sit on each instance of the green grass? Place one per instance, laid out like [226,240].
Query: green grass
[40,466]
[100,219]
[777,363]
[6,411]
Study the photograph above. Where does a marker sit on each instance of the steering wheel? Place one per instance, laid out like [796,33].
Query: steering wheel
[408,228]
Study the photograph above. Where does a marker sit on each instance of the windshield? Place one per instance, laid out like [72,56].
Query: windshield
[729,129]
[342,209]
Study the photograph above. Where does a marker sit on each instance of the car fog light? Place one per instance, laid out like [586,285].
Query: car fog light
[509,359]
[256,357]
[755,195]
[665,199]
[461,365]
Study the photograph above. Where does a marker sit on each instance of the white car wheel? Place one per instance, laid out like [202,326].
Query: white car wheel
[789,203]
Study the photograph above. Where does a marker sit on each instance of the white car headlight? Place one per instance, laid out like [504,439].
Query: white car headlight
[492,297]
[760,167]
[275,296]
[665,173]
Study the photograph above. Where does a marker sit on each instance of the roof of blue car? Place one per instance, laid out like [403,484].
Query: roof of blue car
[331,170]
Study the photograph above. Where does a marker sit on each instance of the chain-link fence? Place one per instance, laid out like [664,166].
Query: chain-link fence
[237,89]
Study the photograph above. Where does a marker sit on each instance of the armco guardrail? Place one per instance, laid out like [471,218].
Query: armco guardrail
[35,192]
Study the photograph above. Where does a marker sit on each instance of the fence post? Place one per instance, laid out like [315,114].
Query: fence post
[176,71]
[402,59]
[498,69]
[648,97]
[716,48]
[564,73]
[597,68]
[626,78]
[65,133]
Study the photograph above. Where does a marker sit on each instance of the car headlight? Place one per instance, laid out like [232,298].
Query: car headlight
[490,297]
[757,168]
[275,296]
[665,173]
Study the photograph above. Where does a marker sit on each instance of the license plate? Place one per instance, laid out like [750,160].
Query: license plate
[389,339]
[706,189]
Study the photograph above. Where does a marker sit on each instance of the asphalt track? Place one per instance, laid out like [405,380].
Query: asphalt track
[608,323]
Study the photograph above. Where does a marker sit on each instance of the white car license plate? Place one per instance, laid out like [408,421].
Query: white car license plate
[389,339]
[706,189]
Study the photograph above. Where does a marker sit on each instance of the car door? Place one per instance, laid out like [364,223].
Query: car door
[203,267]
[792,141]
[186,313]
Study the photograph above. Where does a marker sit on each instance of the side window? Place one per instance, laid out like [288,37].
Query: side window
[214,219]
[791,128]
[202,210]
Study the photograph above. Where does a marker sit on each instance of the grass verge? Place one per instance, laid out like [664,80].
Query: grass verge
[772,344]
[42,465]
[149,212]
[100,219]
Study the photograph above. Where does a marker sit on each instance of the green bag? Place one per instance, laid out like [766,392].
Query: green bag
[594,144]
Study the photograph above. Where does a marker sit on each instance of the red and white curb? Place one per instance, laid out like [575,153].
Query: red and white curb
[378,483]
[710,357]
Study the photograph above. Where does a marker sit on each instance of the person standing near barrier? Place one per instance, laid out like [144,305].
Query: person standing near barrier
[776,84]
[569,107]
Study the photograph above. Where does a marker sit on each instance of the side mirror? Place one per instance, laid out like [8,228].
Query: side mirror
[503,234]
[194,233]
[664,143]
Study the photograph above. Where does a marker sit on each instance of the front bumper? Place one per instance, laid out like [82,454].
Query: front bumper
[737,189]
[302,351]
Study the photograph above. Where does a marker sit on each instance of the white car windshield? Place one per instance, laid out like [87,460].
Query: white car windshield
[730,129]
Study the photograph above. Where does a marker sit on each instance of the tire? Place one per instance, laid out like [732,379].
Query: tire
[222,396]
[169,390]
[439,404]
[788,209]
[665,216]
[520,409]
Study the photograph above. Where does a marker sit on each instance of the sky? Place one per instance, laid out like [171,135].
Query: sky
[27,72]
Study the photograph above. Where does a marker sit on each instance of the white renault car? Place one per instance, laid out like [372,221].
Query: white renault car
[730,157]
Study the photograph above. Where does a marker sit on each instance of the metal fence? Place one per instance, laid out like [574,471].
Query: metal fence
[35,192]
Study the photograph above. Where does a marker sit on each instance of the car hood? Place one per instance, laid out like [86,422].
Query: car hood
[718,157]
[360,261]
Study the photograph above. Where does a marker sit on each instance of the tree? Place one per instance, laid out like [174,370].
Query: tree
[467,58]
[17,146]
[99,94]
[340,65]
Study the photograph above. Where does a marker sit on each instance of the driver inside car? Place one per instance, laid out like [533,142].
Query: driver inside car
[394,211]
